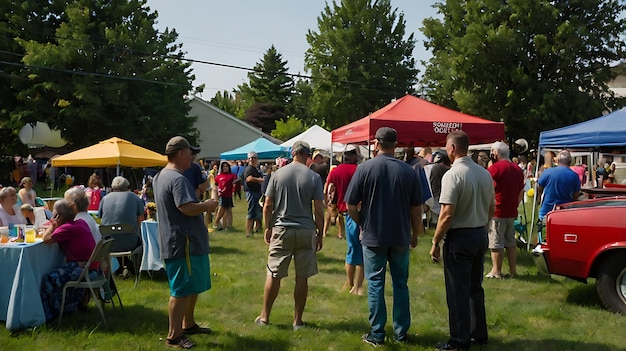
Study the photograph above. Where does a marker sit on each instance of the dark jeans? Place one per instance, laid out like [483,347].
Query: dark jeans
[463,257]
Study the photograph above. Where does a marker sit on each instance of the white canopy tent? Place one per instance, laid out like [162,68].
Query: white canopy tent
[318,138]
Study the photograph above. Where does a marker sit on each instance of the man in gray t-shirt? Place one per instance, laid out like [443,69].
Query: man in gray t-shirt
[121,206]
[291,230]
[183,240]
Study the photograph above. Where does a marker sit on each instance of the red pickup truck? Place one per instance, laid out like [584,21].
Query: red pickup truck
[588,239]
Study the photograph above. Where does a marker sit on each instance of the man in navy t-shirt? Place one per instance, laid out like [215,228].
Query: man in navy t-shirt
[388,192]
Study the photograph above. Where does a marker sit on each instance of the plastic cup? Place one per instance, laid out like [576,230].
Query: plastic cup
[20,230]
[29,236]
[4,235]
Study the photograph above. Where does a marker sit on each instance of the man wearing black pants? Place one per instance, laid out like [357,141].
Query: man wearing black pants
[467,205]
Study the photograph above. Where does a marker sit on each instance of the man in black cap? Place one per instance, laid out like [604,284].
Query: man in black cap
[291,230]
[389,193]
[183,241]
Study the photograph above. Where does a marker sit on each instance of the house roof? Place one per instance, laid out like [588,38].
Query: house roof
[220,131]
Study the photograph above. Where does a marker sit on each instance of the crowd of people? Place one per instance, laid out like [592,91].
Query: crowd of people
[471,200]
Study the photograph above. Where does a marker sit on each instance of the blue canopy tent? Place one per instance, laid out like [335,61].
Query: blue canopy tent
[263,147]
[603,133]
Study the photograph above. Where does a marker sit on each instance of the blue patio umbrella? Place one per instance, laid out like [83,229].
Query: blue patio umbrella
[263,147]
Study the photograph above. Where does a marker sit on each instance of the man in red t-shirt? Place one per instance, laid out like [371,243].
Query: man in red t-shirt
[508,181]
[339,178]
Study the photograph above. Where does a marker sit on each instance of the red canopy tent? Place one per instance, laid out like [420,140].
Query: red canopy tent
[419,122]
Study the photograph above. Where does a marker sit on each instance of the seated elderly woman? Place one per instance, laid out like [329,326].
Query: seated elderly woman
[29,213]
[10,212]
[79,201]
[77,243]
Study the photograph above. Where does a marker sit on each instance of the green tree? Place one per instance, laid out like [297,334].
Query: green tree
[102,70]
[228,102]
[536,65]
[268,92]
[18,20]
[269,82]
[287,129]
[300,106]
[359,60]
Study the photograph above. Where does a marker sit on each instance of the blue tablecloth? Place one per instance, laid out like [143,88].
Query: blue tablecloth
[22,267]
[151,260]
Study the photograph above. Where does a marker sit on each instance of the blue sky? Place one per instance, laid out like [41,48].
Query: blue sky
[239,32]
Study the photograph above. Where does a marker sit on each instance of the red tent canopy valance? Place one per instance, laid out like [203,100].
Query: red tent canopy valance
[419,122]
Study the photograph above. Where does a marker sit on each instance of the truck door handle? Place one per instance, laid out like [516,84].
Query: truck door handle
[570,238]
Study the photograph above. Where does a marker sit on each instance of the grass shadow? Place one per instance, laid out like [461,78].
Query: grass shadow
[221,250]
[429,339]
[584,295]
[329,260]
[152,321]
[551,344]
[242,342]
[347,326]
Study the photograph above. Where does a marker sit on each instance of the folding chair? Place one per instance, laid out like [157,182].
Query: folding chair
[100,254]
[127,244]
[520,232]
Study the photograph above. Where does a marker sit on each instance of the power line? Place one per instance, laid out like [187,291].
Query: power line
[84,73]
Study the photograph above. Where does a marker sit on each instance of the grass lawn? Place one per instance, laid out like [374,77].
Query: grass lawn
[530,312]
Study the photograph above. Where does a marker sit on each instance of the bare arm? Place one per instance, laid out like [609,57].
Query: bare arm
[443,225]
[353,211]
[193,209]
[318,205]
[417,226]
[520,196]
[201,189]
[251,179]
[268,210]
[47,234]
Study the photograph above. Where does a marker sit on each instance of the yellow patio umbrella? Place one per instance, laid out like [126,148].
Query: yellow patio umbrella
[113,152]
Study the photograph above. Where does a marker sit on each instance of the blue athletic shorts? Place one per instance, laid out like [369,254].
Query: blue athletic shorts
[184,282]
[354,255]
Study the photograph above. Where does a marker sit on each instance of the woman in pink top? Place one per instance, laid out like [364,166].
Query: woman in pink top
[224,182]
[77,243]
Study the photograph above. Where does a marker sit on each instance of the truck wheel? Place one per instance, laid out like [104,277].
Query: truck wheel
[611,283]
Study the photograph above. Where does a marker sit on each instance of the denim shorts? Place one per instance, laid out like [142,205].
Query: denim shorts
[254,208]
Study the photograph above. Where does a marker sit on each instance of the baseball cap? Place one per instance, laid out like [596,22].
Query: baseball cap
[386,134]
[179,143]
[351,153]
[301,146]
[316,153]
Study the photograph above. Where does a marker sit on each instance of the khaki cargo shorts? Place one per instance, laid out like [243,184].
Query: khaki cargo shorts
[287,242]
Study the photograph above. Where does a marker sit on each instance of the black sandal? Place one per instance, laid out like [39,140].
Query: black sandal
[196,329]
[180,342]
